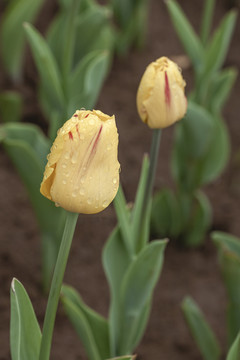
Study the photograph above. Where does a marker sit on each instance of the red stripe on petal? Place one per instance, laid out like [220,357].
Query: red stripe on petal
[167,90]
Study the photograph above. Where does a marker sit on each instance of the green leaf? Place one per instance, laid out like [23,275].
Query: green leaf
[136,291]
[166,214]
[127,357]
[12,34]
[198,222]
[218,47]
[207,20]
[136,225]
[234,352]
[186,34]
[229,259]
[220,88]
[10,106]
[25,334]
[87,79]
[217,155]
[203,335]
[90,326]
[47,68]
[115,260]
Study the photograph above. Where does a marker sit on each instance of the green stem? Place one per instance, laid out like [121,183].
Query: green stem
[151,174]
[56,285]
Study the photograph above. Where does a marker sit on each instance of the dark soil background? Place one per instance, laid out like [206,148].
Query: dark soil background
[193,272]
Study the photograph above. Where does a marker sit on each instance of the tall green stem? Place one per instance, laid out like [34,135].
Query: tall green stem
[56,285]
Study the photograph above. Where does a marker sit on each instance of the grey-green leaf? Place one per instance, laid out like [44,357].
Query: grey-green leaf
[25,334]
[186,33]
[234,352]
[12,34]
[202,333]
[90,326]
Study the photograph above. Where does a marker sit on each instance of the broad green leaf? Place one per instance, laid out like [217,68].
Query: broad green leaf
[229,259]
[137,288]
[220,89]
[186,34]
[47,68]
[218,47]
[27,148]
[217,155]
[25,334]
[193,137]
[10,106]
[115,262]
[90,326]
[90,23]
[87,79]
[198,222]
[12,34]
[166,214]
[203,335]
[234,352]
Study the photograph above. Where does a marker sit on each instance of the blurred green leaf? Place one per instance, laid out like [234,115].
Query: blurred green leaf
[202,333]
[25,334]
[207,20]
[12,34]
[90,326]
[127,357]
[87,79]
[186,34]
[47,68]
[234,352]
[220,88]
[10,106]
[166,216]
[198,222]
[136,290]
[218,153]
[229,259]
[218,47]
[115,262]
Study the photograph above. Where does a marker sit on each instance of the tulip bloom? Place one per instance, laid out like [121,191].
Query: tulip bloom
[82,173]
[160,99]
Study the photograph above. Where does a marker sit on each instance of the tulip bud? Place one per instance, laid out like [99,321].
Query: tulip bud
[82,173]
[160,99]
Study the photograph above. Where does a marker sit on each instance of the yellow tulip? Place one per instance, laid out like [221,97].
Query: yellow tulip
[160,99]
[82,173]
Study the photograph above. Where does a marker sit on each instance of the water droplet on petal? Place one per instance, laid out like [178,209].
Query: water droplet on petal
[109,146]
[91,121]
[74,194]
[114,180]
[64,182]
[105,203]
[67,155]
[82,192]
[89,201]
[82,180]
[64,165]
[57,204]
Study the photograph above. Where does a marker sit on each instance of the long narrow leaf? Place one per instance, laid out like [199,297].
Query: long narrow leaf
[25,334]
[234,352]
[47,67]
[91,327]
[202,333]
[186,34]
[12,34]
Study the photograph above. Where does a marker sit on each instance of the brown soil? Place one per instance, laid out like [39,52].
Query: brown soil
[193,272]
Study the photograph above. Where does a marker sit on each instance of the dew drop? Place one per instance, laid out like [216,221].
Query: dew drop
[105,203]
[109,146]
[66,173]
[82,181]
[74,194]
[67,155]
[64,182]
[89,201]
[73,160]
[82,192]
[91,121]
[64,165]
[114,180]
[57,204]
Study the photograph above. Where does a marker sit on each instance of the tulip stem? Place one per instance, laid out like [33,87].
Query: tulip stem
[156,137]
[56,285]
